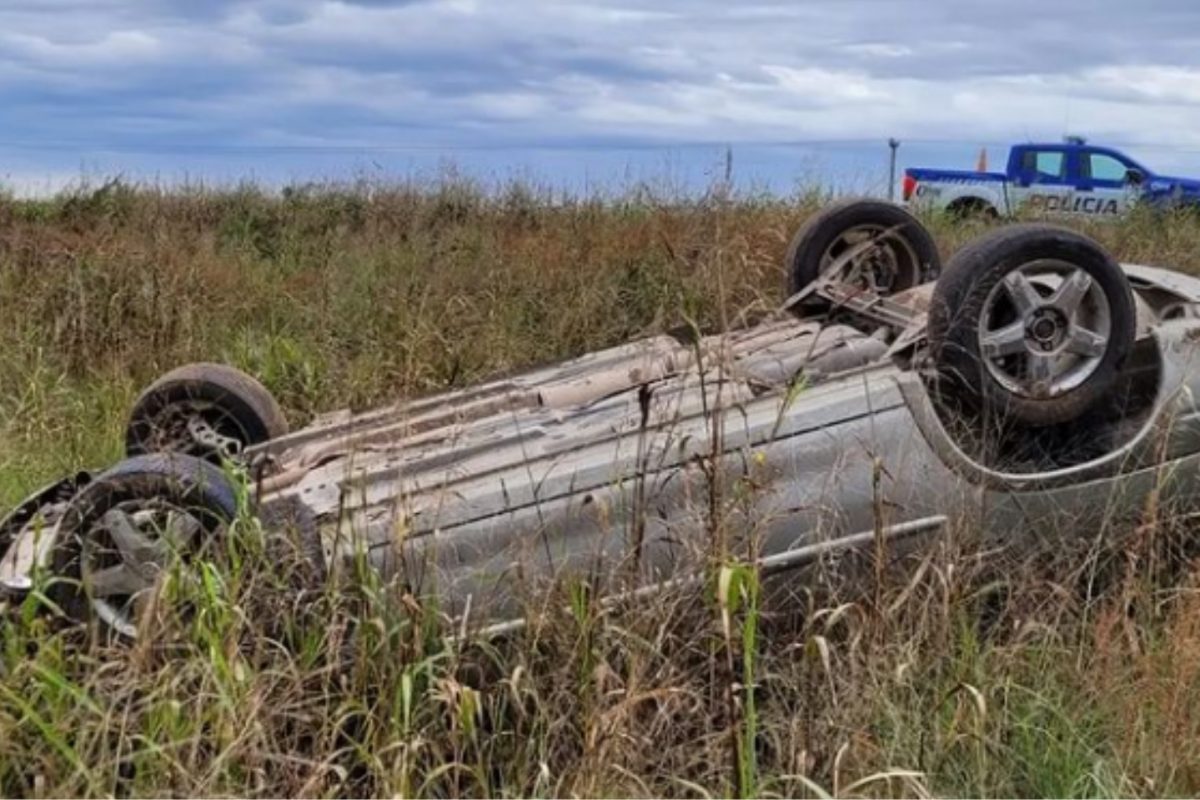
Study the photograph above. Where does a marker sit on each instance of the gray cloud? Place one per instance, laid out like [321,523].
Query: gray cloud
[179,75]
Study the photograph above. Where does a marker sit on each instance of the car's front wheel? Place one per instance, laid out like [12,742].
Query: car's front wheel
[1031,321]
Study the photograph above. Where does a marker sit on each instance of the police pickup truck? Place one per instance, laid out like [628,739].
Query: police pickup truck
[1071,178]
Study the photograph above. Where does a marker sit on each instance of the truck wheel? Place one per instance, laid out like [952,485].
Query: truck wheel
[1032,321]
[971,208]
[124,529]
[209,411]
[904,255]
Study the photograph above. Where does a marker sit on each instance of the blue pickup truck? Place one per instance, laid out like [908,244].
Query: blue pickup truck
[1070,178]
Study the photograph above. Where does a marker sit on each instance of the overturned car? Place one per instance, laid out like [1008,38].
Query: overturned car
[1033,383]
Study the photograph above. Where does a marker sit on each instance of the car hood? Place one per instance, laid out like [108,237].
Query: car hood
[1169,183]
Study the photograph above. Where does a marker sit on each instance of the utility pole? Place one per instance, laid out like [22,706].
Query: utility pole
[894,145]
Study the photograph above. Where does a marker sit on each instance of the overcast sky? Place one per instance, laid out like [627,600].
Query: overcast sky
[290,87]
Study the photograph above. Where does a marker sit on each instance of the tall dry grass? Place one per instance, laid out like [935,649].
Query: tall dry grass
[1064,672]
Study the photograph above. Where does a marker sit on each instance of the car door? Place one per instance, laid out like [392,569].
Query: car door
[1044,182]
[1104,188]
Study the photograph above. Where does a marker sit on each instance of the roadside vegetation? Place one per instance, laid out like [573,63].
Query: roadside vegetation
[962,671]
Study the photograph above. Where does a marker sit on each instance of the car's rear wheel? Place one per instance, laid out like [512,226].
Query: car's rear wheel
[210,411]
[871,244]
[1031,321]
[971,208]
[123,532]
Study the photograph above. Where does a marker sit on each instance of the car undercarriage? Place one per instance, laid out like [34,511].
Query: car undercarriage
[1032,386]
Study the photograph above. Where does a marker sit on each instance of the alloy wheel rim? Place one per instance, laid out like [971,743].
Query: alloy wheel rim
[1044,329]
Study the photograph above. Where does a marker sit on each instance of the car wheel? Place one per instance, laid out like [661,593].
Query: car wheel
[209,411]
[904,255]
[125,529]
[1031,321]
[294,538]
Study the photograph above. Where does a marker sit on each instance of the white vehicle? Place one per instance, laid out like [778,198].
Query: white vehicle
[1070,179]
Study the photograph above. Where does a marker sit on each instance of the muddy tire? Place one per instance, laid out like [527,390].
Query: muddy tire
[294,539]
[1031,322]
[125,527]
[206,410]
[904,259]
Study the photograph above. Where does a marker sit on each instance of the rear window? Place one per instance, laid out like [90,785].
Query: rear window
[1044,163]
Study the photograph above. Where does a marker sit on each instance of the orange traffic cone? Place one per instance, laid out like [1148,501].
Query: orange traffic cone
[981,164]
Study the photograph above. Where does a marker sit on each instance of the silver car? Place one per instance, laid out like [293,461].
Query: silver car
[1033,384]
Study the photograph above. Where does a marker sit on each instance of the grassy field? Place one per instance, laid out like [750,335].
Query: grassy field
[966,674]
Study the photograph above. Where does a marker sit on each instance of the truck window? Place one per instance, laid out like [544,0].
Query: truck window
[1044,165]
[1103,167]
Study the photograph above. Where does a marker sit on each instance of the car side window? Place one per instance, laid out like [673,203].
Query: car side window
[1106,168]
[1051,165]
[1045,166]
